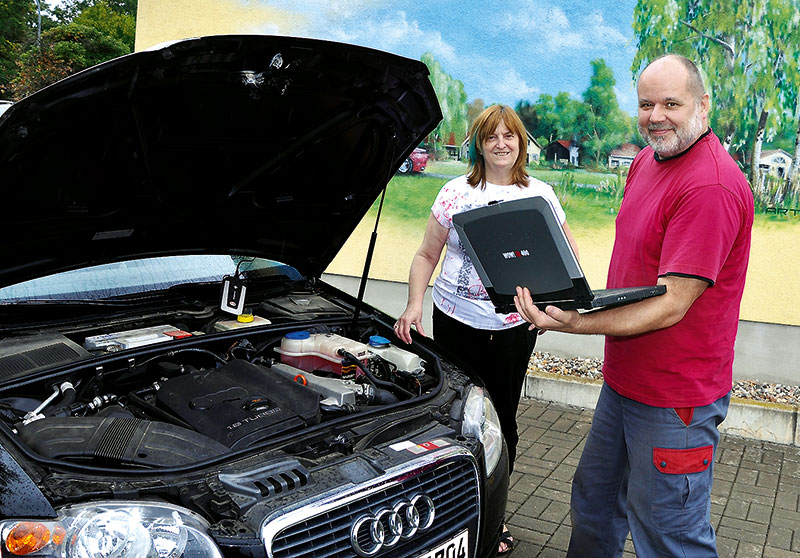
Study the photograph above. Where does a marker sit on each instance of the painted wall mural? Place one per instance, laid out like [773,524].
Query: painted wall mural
[568,69]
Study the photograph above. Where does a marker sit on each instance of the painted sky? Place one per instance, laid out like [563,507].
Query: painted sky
[502,52]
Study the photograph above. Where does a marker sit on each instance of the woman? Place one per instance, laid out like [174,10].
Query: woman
[496,346]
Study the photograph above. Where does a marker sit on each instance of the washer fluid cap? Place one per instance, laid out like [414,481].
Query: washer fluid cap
[298,335]
[244,318]
[378,341]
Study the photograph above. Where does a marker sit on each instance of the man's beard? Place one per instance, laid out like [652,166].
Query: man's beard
[683,138]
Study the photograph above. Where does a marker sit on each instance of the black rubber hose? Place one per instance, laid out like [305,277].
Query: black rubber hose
[375,381]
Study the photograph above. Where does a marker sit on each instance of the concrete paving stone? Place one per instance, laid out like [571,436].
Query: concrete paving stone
[530,433]
[737,509]
[725,473]
[522,532]
[534,506]
[759,529]
[535,525]
[556,512]
[562,440]
[525,485]
[759,513]
[741,536]
[560,538]
[549,552]
[554,484]
[770,552]
[767,479]
[530,462]
[726,546]
[787,519]
[750,493]
[749,550]
[721,489]
[556,454]
[760,467]
[563,424]
[787,498]
[557,495]
[780,537]
[563,472]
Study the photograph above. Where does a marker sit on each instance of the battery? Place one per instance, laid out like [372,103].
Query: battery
[133,338]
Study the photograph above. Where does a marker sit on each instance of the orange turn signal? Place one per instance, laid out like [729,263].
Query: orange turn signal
[27,537]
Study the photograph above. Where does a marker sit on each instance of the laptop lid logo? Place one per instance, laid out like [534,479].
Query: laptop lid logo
[516,254]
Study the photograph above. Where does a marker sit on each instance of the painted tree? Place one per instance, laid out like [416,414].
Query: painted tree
[452,100]
[741,47]
[606,126]
[473,111]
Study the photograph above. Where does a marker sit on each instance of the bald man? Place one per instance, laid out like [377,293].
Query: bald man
[685,222]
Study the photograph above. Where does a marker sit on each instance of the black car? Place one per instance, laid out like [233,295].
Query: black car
[175,378]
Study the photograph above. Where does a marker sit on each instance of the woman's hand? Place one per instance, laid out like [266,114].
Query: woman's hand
[410,317]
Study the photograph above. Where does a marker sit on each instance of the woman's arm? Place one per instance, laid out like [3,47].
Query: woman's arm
[422,266]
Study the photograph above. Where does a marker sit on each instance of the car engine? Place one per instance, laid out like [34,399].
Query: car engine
[177,406]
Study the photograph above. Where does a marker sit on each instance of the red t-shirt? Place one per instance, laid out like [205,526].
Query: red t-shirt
[692,216]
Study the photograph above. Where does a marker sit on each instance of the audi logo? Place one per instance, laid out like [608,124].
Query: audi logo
[386,527]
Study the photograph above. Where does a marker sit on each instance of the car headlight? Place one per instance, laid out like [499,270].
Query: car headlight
[481,421]
[111,530]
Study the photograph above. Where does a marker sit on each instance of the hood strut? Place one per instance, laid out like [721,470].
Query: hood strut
[368,261]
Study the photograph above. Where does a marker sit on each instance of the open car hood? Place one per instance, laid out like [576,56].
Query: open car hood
[254,145]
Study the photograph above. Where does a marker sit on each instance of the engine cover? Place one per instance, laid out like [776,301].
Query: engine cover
[240,403]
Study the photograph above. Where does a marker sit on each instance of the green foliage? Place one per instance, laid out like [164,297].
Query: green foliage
[111,22]
[65,49]
[452,100]
[75,35]
[16,27]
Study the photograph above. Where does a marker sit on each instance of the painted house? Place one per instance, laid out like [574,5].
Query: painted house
[623,155]
[563,151]
[774,162]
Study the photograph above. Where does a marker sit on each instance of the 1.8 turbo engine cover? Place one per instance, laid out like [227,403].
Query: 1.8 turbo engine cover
[240,403]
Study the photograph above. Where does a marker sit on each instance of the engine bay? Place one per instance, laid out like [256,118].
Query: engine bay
[173,394]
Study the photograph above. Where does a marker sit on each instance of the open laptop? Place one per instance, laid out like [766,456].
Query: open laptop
[521,242]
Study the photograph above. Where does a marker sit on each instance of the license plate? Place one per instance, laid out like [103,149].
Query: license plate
[457,547]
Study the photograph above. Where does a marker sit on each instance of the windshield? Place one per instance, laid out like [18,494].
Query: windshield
[139,276]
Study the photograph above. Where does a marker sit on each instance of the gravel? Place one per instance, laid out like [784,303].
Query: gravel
[592,368]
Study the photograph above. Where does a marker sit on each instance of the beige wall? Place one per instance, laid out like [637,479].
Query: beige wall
[159,20]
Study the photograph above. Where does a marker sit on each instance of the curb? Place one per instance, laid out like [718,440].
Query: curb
[770,422]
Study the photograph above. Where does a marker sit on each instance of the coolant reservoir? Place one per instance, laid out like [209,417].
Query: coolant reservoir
[404,360]
[320,351]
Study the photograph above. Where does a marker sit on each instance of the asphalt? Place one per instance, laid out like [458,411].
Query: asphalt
[755,501]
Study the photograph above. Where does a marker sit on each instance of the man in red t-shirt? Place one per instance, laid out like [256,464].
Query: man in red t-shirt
[684,222]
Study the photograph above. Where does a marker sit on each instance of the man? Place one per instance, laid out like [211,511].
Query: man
[684,222]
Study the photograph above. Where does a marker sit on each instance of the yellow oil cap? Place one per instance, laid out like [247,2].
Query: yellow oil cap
[244,318]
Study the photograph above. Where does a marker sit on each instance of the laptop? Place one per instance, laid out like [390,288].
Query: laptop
[521,242]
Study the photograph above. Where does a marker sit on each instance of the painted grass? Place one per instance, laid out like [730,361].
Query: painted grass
[590,199]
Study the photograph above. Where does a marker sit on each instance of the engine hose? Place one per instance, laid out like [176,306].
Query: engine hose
[375,381]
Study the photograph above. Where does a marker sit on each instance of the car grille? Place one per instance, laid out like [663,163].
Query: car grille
[452,485]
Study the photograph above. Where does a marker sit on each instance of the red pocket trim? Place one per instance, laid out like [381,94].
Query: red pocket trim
[683,461]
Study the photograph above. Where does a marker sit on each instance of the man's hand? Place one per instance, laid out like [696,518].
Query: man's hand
[553,318]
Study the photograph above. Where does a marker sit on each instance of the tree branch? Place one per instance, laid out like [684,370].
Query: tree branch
[720,42]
